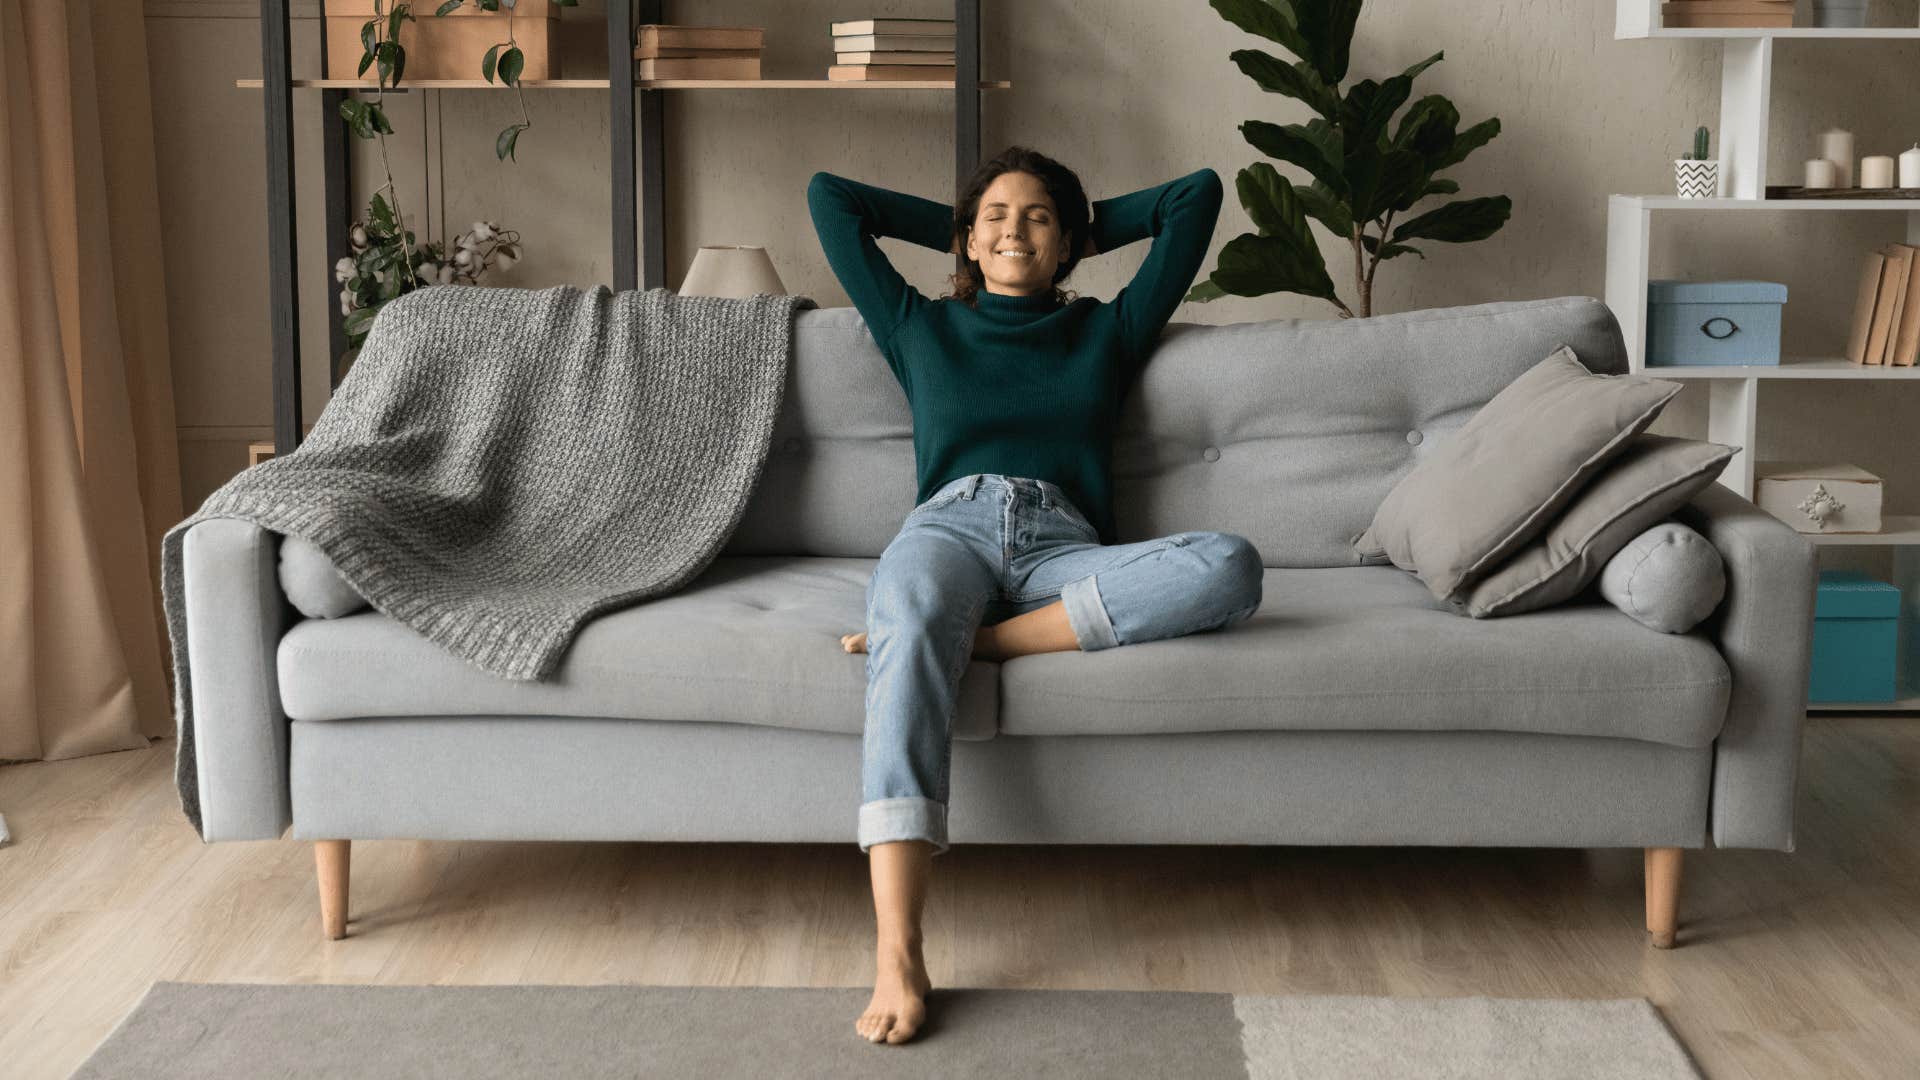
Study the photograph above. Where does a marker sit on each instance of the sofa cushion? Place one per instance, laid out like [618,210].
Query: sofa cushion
[753,640]
[1667,578]
[1654,476]
[312,584]
[1367,648]
[1495,483]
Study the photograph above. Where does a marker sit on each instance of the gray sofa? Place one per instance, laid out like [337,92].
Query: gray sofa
[1351,709]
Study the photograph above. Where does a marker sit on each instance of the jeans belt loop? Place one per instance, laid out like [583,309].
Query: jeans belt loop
[972,485]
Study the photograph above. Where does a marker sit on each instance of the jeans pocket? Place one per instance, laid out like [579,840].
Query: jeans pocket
[935,503]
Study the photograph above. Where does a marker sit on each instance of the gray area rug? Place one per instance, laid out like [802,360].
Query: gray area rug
[213,1031]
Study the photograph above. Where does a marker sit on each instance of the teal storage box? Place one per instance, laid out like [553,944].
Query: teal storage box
[1713,322]
[1856,634]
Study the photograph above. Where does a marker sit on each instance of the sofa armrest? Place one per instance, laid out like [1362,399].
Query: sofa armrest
[1764,629]
[235,615]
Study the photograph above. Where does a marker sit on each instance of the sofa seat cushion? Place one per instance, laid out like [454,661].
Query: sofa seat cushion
[753,639]
[1369,648]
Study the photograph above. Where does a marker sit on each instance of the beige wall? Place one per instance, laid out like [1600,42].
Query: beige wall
[1127,92]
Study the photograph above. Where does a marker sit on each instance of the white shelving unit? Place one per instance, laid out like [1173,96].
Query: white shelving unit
[1746,88]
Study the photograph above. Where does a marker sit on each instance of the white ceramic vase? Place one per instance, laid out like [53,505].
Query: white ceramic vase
[1696,179]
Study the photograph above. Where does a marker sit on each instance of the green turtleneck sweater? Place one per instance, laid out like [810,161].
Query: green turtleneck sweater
[1017,385]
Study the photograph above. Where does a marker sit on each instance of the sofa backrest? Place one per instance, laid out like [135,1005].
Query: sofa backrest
[1289,432]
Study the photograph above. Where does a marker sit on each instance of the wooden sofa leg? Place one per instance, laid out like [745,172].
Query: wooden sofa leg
[1663,895]
[332,860]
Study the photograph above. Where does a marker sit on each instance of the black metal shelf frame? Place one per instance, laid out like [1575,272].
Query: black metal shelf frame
[639,256]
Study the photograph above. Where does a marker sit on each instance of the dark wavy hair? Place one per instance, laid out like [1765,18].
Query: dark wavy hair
[1072,210]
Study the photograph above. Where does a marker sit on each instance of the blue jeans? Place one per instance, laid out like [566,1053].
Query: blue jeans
[980,550]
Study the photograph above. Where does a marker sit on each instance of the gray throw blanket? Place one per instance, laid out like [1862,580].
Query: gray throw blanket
[502,465]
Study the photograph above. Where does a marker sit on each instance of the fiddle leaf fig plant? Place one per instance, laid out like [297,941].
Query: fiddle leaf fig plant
[1365,169]
[507,65]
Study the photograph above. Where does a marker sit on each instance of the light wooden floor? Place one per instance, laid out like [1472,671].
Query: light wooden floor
[1802,965]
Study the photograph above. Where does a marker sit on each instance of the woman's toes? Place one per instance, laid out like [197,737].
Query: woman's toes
[900,1033]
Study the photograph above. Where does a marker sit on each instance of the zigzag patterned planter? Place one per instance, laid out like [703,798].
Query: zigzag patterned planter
[1696,179]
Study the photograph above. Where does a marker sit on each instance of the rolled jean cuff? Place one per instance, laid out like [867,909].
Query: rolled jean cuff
[1088,615]
[909,817]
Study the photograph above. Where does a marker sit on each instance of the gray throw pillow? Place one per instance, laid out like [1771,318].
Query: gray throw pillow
[1650,478]
[1495,483]
[1668,578]
[312,584]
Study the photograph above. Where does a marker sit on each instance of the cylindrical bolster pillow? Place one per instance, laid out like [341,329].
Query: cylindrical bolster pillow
[1668,578]
[312,584]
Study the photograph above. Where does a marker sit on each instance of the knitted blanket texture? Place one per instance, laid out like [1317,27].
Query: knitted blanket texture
[501,465]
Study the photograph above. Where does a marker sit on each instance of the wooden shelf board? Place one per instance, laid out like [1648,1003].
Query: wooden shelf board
[1674,202]
[1791,368]
[1818,33]
[639,84]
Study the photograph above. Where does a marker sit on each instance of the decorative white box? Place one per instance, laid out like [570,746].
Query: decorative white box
[1818,498]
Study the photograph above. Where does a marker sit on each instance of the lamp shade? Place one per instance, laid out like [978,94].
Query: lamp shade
[728,270]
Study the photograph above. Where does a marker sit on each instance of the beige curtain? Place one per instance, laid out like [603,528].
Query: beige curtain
[89,467]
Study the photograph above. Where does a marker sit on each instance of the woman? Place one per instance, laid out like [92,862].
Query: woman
[1015,387]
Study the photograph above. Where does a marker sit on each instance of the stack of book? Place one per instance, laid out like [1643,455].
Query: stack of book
[1679,14]
[666,51]
[920,50]
[1886,317]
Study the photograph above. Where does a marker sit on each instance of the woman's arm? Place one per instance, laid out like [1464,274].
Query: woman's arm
[1179,215]
[848,215]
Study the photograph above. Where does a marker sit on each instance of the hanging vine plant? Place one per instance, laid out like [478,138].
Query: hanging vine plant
[507,65]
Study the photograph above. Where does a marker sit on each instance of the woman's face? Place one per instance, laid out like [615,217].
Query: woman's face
[1016,236]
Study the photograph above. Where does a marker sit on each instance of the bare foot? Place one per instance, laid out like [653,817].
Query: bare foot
[854,642]
[899,1004]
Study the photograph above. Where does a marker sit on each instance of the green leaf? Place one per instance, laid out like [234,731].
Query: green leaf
[487,62]
[1441,187]
[1296,145]
[1269,200]
[1297,81]
[381,212]
[503,146]
[489,5]
[361,319]
[1268,20]
[511,62]
[1324,207]
[1256,265]
[369,34]
[383,54]
[1327,26]
[366,61]
[1382,180]
[401,13]
[399,63]
[448,7]
[1458,222]
[1391,251]
[1370,106]
[1468,141]
[378,116]
[1427,129]
[1205,291]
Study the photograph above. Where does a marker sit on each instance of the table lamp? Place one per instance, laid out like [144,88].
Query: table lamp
[731,270]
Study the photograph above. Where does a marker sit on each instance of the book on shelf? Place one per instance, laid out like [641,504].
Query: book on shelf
[934,58]
[1906,333]
[653,37]
[854,27]
[747,68]
[894,43]
[889,73]
[1863,306]
[1895,260]
[648,52]
[1683,14]
[1886,312]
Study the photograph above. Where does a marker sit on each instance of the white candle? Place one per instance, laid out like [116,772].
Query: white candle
[1837,146]
[1820,173]
[1910,168]
[1876,171]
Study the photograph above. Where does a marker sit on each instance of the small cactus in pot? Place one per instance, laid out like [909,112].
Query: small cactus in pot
[1694,175]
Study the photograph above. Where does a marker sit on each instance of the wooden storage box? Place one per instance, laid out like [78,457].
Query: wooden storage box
[1818,498]
[446,46]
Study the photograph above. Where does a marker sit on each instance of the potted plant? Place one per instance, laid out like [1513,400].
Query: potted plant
[1694,175]
[386,260]
[1365,170]
[506,60]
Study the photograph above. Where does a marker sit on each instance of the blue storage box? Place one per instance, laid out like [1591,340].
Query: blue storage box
[1856,633]
[1713,322]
